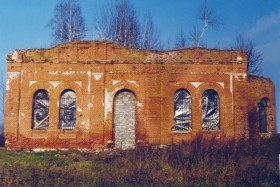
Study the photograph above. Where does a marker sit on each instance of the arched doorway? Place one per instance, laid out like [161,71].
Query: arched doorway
[124,120]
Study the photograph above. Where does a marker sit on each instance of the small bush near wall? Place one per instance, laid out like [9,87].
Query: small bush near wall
[197,163]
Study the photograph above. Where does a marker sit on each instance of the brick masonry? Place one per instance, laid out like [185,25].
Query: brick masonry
[103,75]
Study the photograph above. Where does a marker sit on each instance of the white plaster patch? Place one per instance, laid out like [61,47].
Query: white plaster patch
[11,76]
[85,124]
[97,76]
[133,82]
[240,76]
[15,55]
[89,81]
[239,58]
[78,83]
[231,83]
[53,72]
[222,84]
[39,150]
[79,109]
[116,82]
[90,105]
[32,82]
[22,114]
[108,103]
[54,83]
[139,104]
[196,84]
[68,72]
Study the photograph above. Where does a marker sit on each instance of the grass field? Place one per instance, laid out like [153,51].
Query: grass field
[197,163]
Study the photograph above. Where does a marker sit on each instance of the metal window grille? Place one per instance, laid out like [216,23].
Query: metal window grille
[40,112]
[263,105]
[67,110]
[210,110]
[182,110]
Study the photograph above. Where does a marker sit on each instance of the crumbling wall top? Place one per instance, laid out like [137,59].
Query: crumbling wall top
[110,52]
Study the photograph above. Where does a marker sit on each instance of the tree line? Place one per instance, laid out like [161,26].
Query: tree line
[118,21]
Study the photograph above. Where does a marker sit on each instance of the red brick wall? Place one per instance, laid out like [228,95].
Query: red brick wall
[259,88]
[96,71]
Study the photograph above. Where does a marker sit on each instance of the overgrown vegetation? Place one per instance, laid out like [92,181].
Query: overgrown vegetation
[196,163]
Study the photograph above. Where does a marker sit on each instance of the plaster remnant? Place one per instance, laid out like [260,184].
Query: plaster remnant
[67,72]
[239,58]
[53,72]
[78,83]
[15,56]
[109,97]
[231,85]
[79,109]
[54,83]
[89,81]
[32,82]
[11,76]
[85,125]
[133,82]
[90,105]
[240,76]
[39,150]
[222,84]
[116,82]
[196,84]
[97,76]
[139,104]
[22,114]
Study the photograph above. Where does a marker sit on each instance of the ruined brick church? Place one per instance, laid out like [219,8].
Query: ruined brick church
[94,94]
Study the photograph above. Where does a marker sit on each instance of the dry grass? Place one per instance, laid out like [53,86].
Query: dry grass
[197,163]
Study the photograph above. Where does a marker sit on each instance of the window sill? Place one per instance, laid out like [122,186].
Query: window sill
[265,134]
[39,134]
[181,132]
[210,131]
[67,135]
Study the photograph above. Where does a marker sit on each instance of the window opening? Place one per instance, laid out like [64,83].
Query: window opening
[182,110]
[263,105]
[40,118]
[210,110]
[67,117]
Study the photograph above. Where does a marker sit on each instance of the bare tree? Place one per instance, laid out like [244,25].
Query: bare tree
[68,23]
[150,38]
[255,57]
[118,22]
[207,18]
[181,40]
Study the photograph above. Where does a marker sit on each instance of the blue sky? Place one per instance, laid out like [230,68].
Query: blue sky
[23,25]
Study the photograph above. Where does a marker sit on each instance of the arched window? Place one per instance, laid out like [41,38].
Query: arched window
[40,110]
[210,110]
[182,110]
[263,113]
[67,110]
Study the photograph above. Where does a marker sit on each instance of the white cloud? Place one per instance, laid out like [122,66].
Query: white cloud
[266,23]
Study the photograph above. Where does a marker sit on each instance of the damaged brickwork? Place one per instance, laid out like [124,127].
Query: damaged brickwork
[100,94]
